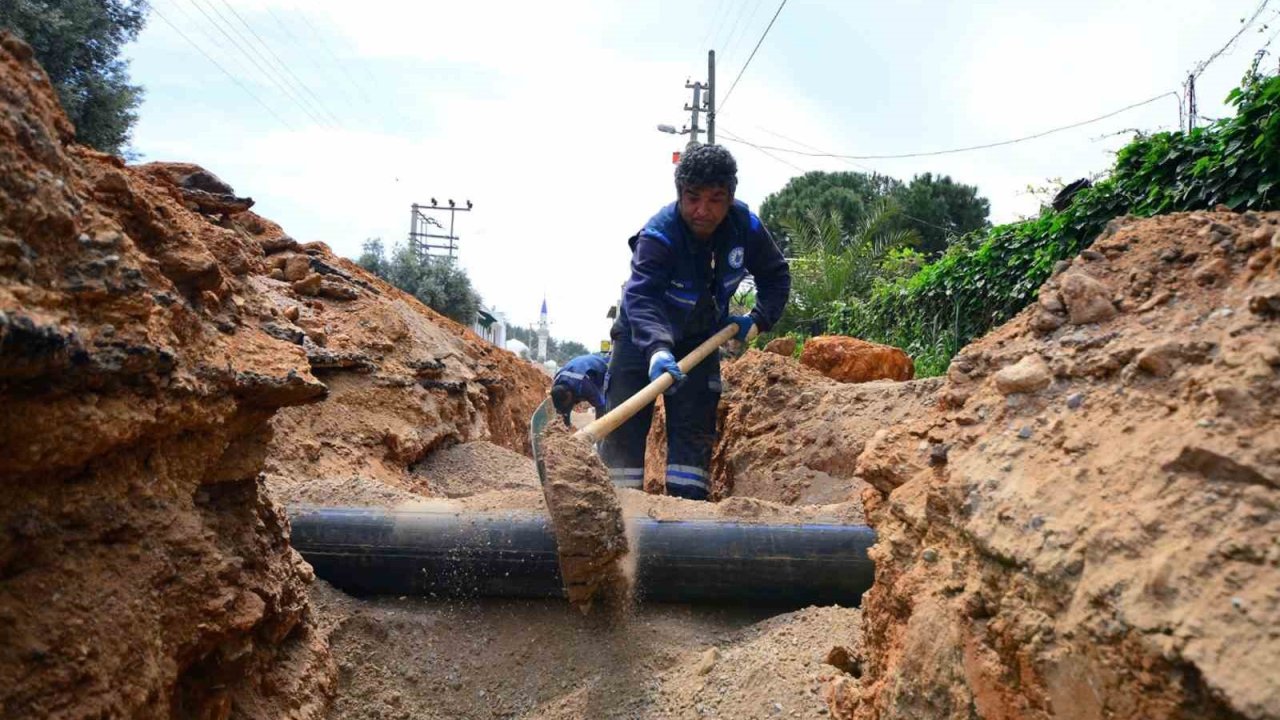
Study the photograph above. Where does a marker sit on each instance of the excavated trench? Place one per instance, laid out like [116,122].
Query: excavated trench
[1080,518]
[723,625]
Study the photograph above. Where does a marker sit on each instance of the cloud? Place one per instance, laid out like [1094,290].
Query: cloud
[544,114]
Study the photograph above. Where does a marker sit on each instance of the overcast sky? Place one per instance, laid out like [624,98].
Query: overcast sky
[544,114]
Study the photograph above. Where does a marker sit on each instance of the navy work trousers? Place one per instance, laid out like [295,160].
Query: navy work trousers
[691,421]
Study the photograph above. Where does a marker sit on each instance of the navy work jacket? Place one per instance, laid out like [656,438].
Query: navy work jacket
[680,286]
[584,376]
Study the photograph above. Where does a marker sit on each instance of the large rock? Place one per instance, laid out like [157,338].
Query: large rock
[851,360]
[1026,376]
[1087,299]
[784,346]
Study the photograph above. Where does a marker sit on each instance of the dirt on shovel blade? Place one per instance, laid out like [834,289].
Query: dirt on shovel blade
[587,521]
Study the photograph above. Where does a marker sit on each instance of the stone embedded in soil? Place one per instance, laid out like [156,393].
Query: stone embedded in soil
[337,290]
[1213,272]
[708,661]
[852,360]
[1028,375]
[309,285]
[586,519]
[784,346]
[296,267]
[1160,359]
[1265,300]
[1087,299]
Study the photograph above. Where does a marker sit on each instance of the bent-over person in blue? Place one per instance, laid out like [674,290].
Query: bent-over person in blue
[580,380]
[686,264]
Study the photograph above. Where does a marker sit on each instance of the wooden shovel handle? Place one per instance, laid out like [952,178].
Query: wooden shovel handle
[601,427]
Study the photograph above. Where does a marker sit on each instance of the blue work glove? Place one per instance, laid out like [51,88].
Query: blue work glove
[664,362]
[744,323]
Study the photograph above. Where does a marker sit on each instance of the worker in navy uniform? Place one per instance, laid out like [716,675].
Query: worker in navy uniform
[580,380]
[686,264]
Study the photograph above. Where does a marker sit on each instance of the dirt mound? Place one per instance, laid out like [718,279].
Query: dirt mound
[143,572]
[1088,527]
[791,435]
[775,668]
[476,467]
[415,658]
[160,347]
[402,380]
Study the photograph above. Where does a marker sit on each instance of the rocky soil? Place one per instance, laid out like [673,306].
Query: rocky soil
[160,347]
[790,435]
[851,360]
[1087,527]
[143,571]
[1082,520]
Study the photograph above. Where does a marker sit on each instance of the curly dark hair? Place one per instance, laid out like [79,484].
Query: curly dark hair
[707,166]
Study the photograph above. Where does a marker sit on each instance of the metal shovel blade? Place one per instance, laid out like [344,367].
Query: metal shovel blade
[541,416]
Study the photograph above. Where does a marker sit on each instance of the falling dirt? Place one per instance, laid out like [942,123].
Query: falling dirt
[586,519]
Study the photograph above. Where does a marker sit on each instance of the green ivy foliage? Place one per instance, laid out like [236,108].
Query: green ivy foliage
[986,278]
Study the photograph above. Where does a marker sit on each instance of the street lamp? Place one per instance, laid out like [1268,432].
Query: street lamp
[668,129]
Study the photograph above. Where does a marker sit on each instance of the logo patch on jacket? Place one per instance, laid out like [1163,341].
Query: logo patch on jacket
[735,258]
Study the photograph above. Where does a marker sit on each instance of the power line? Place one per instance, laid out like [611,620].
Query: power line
[280,63]
[713,25]
[309,56]
[317,35]
[846,161]
[733,40]
[266,73]
[219,46]
[734,138]
[753,54]
[281,81]
[325,48]
[742,9]
[985,146]
[1200,68]
[873,171]
[218,65]
[773,157]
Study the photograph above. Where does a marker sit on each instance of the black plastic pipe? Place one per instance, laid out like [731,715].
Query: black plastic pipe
[372,551]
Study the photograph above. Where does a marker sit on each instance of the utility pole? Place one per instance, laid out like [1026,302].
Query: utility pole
[704,101]
[695,108]
[1190,93]
[711,97]
[420,235]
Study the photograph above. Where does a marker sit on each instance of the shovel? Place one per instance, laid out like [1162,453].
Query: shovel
[600,428]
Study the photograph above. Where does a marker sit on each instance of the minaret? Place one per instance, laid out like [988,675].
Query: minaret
[543,332]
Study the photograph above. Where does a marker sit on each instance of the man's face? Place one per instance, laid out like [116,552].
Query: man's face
[703,208]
